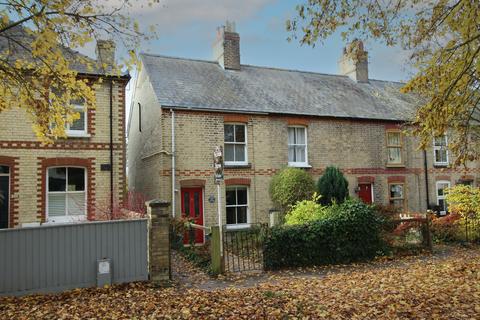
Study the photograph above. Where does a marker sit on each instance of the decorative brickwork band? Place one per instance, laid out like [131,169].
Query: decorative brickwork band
[72,144]
[237,182]
[392,179]
[444,177]
[467,178]
[192,183]
[366,179]
[12,163]
[45,163]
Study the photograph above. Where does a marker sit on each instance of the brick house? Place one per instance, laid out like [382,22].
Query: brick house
[68,180]
[268,118]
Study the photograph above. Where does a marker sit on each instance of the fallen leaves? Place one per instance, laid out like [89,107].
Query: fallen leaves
[423,287]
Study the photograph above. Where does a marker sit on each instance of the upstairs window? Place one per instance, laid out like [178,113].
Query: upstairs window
[440,151]
[442,204]
[394,148]
[66,194]
[78,127]
[235,136]
[297,146]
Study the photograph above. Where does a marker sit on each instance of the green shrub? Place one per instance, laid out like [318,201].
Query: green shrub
[349,232]
[332,186]
[305,211]
[289,186]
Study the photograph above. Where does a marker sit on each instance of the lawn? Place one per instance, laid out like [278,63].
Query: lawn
[442,286]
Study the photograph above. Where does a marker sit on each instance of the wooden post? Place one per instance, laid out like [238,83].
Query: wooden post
[215,251]
[159,242]
[428,234]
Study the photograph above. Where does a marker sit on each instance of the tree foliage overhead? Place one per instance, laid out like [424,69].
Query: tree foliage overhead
[38,65]
[444,38]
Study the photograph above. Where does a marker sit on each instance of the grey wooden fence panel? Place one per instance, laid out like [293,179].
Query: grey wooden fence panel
[61,257]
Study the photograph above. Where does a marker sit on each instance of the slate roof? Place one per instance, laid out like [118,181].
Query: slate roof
[16,40]
[198,84]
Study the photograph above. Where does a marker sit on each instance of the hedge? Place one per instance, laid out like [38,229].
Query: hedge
[351,232]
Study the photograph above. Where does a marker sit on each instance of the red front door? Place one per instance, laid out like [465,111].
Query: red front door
[365,192]
[192,207]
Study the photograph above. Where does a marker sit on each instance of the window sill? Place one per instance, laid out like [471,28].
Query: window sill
[65,220]
[238,165]
[240,226]
[299,165]
[391,165]
[440,165]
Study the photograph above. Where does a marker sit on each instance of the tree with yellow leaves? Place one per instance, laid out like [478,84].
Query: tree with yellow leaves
[39,69]
[444,38]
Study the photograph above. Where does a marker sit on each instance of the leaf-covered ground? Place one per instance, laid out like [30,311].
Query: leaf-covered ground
[425,287]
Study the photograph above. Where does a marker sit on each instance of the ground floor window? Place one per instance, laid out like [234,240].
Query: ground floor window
[442,204]
[237,205]
[397,195]
[66,193]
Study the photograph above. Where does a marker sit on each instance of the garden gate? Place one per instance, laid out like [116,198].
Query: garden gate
[243,248]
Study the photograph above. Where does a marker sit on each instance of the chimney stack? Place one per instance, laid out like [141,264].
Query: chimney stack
[106,54]
[226,49]
[354,62]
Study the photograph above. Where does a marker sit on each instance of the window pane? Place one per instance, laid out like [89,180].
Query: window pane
[241,214]
[57,179]
[393,138]
[291,135]
[56,204]
[231,198]
[79,124]
[441,155]
[239,133]
[394,155]
[186,204]
[4,169]
[228,133]
[300,135]
[242,196]
[442,204]
[397,203]
[300,153]
[441,188]
[76,179]
[240,152]
[229,152]
[440,141]
[196,203]
[291,154]
[76,203]
[231,216]
[396,191]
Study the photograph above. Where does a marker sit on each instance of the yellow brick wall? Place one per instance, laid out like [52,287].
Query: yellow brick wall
[18,140]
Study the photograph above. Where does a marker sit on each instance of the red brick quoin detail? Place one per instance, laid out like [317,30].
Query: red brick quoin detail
[44,163]
[396,179]
[366,179]
[237,182]
[236,118]
[192,183]
[12,163]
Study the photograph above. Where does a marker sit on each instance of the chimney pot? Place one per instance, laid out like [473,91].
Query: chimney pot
[354,61]
[226,50]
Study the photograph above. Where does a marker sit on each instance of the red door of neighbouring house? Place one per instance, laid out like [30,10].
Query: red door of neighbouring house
[365,192]
[192,207]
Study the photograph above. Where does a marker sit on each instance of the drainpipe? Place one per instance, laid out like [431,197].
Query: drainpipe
[173,162]
[425,168]
[111,149]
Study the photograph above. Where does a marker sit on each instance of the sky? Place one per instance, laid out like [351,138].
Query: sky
[186,28]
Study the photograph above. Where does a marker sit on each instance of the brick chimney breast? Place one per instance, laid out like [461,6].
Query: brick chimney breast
[106,54]
[226,49]
[354,62]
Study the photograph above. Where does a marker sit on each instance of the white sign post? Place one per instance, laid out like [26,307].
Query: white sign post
[218,177]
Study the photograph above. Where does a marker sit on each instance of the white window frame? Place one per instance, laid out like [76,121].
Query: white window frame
[439,148]
[78,133]
[245,144]
[297,163]
[442,212]
[394,146]
[238,225]
[65,218]
[403,198]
